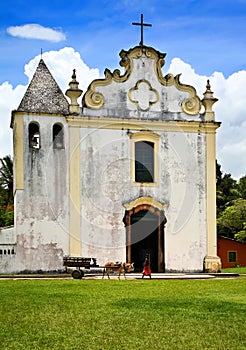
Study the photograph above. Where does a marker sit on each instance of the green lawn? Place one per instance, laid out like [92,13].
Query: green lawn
[241,270]
[131,314]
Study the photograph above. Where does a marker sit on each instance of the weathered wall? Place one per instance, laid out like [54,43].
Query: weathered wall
[66,205]
[142,96]
[106,185]
[41,215]
[7,249]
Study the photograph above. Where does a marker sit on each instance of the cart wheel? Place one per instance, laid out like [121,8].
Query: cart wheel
[77,274]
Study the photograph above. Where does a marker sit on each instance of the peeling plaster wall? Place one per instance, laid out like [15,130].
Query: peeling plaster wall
[121,102]
[106,182]
[106,185]
[41,216]
[43,211]
[185,233]
[7,250]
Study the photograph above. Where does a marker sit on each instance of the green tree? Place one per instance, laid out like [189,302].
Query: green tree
[241,235]
[218,174]
[6,191]
[231,221]
[6,177]
[241,187]
[227,189]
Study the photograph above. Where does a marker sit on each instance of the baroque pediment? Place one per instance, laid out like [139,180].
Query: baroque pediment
[142,86]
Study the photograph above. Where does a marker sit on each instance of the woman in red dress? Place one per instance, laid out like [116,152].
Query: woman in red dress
[146,269]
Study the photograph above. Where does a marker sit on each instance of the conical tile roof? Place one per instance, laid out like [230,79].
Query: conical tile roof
[43,94]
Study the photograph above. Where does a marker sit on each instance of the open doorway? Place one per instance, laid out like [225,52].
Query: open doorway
[145,237]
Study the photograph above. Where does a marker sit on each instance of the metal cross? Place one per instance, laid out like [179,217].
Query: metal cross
[142,24]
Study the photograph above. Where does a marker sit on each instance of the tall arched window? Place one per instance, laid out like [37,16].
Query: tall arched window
[58,136]
[34,135]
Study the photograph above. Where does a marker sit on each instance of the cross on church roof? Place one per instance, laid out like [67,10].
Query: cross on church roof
[142,24]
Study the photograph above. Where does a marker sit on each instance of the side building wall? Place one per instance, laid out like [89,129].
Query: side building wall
[7,249]
[231,252]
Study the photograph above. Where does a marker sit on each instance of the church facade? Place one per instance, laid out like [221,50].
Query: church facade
[128,172]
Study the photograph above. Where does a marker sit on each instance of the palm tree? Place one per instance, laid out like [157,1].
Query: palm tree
[6,178]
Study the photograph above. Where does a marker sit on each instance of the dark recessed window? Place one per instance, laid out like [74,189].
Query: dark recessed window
[144,161]
[34,135]
[58,136]
[232,256]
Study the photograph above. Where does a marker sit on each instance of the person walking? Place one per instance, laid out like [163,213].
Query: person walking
[146,268]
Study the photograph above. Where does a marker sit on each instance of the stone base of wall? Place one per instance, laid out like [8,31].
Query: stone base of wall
[212,264]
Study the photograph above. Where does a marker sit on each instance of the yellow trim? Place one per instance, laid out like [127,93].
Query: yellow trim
[95,100]
[18,153]
[136,88]
[16,113]
[113,123]
[211,195]
[74,187]
[150,137]
[144,200]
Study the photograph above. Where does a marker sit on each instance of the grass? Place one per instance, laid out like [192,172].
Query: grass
[241,270]
[119,315]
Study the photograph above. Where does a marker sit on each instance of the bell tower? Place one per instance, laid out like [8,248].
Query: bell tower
[40,174]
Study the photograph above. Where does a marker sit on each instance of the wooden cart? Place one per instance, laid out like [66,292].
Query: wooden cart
[80,264]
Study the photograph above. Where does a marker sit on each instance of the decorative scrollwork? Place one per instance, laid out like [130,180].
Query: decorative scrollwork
[97,99]
[169,79]
[94,100]
[191,105]
[120,78]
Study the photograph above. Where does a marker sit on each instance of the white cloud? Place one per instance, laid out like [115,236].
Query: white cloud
[230,109]
[36,31]
[61,64]
[9,99]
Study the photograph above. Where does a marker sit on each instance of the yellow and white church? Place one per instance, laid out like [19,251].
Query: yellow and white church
[124,170]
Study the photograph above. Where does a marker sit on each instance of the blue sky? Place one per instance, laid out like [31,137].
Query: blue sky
[210,35]
[207,36]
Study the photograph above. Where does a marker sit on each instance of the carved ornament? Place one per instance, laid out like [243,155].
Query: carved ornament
[95,100]
[143,95]
[144,201]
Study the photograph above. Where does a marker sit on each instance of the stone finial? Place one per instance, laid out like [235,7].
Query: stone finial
[208,102]
[74,93]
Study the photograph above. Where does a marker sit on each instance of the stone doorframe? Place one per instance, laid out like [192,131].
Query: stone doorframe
[155,208]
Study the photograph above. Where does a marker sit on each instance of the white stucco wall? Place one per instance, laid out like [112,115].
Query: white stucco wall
[41,215]
[43,219]
[106,185]
[7,250]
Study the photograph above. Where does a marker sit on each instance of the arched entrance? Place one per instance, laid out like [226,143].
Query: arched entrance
[145,236]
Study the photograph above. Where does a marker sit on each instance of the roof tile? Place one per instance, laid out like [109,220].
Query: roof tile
[43,94]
